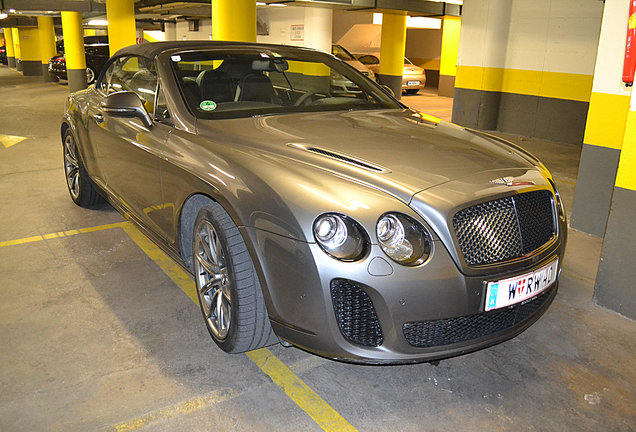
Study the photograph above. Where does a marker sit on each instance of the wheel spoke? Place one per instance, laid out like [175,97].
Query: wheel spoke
[210,284]
[210,268]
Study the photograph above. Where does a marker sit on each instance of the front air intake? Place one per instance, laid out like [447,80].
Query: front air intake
[355,313]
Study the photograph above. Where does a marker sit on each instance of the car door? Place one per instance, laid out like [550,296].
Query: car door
[129,152]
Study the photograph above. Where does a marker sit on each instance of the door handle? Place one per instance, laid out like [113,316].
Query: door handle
[99,118]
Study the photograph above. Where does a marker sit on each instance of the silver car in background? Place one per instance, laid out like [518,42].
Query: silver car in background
[332,218]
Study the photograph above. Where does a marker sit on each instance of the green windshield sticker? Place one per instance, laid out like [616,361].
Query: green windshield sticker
[207,105]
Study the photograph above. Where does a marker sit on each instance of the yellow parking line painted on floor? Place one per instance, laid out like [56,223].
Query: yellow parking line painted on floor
[319,410]
[186,407]
[60,234]
[11,140]
[307,399]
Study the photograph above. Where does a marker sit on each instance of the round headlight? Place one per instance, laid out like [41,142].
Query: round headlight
[341,237]
[403,239]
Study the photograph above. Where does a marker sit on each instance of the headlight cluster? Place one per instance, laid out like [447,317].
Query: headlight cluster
[401,237]
[341,237]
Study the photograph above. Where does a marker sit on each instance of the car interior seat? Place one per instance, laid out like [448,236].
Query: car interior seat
[216,86]
[256,87]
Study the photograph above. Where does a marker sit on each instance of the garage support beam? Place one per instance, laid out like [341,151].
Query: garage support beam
[8,40]
[448,60]
[121,24]
[234,20]
[614,286]
[605,126]
[392,47]
[16,48]
[30,49]
[47,45]
[74,50]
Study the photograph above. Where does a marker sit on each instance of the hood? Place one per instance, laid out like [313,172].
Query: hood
[391,150]
[357,65]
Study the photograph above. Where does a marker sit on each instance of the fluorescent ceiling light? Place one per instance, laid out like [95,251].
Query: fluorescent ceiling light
[414,22]
[97,22]
[11,10]
[276,4]
[3,15]
[260,4]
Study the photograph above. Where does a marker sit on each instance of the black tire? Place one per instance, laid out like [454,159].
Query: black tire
[79,186]
[412,91]
[230,284]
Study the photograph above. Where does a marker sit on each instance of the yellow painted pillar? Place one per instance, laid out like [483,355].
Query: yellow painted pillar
[74,50]
[448,60]
[614,286]
[234,20]
[30,51]
[8,38]
[121,24]
[392,47]
[47,45]
[16,47]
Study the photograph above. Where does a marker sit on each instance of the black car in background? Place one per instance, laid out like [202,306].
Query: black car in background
[97,54]
[3,54]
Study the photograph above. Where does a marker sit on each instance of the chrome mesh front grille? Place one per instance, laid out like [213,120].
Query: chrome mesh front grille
[505,228]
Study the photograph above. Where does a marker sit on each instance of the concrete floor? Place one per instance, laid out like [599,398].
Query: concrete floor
[96,337]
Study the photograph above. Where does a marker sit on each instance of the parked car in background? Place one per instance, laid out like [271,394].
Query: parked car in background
[340,221]
[344,55]
[97,53]
[3,54]
[413,77]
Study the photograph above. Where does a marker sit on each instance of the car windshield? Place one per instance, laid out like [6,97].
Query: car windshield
[249,82]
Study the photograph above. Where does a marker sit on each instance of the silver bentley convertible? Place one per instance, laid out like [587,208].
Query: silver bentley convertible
[314,209]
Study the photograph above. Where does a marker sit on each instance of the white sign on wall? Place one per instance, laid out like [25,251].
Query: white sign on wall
[297,32]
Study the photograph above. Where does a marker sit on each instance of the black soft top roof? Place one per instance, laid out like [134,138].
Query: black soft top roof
[152,49]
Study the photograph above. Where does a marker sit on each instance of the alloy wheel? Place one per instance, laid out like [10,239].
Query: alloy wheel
[90,75]
[71,167]
[213,281]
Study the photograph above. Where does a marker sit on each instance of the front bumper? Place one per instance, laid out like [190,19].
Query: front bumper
[298,280]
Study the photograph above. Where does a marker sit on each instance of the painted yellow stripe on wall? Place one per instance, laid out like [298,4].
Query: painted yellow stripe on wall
[606,116]
[557,85]
[626,175]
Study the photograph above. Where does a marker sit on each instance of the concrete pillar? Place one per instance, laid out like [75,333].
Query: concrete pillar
[8,37]
[448,58]
[16,48]
[30,51]
[234,20]
[74,50]
[525,69]
[47,45]
[605,126]
[615,280]
[318,28]
[171,31]
[121,24]
[392,47]
[481,62]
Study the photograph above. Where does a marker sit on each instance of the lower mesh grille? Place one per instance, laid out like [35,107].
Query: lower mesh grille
[355,314]
[425,334]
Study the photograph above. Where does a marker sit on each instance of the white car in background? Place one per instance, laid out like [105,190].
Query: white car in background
[413,77]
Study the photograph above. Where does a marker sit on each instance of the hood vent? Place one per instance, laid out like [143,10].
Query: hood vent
[360,163]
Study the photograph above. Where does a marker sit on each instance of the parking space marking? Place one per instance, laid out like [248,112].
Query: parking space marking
[184,408]
[60,234]
[308,400]
[11,140]
[319,410]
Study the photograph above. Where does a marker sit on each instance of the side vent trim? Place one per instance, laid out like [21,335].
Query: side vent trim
[351,160]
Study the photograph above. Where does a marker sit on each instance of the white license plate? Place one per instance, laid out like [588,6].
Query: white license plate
[516,289]
[409,83]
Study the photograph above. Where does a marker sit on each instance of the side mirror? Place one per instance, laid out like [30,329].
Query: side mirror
[127,105]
